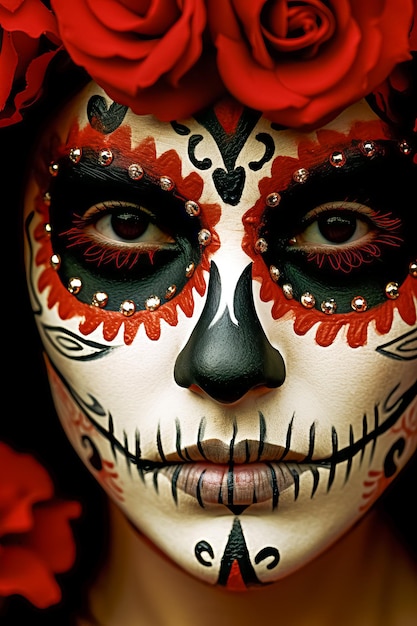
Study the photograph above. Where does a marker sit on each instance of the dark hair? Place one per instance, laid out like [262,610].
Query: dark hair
[30,423]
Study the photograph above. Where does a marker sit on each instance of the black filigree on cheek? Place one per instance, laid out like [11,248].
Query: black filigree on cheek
[94,459]
[403,348]
[394,453]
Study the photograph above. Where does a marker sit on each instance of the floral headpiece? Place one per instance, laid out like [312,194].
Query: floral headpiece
[299,62]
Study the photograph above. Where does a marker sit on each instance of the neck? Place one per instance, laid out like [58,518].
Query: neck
[343,585]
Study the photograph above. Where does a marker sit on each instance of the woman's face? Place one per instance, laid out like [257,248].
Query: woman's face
[228,310]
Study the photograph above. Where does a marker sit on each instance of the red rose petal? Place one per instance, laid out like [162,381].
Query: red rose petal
[343,51]
[24,573]
[35,534]
[51,535]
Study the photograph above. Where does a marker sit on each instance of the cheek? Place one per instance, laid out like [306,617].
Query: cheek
[353,406]
[84,436]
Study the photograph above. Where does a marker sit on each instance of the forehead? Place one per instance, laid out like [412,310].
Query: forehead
[216,143]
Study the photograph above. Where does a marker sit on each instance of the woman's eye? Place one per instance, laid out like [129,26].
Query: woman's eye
[125,225]
[335,250]
[333,228]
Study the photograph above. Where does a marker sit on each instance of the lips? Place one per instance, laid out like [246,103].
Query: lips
[235,484]
[246,451]
[236,474]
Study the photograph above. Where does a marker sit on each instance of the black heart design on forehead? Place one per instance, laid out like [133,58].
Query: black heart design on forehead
[105,119]
[230,184]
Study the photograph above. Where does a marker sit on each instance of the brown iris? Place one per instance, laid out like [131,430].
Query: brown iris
[129,226]
[337,228]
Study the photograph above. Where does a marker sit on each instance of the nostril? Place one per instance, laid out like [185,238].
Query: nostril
[225,359]
[257,391]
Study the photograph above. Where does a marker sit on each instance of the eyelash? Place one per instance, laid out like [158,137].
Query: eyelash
[347,256]
[99,251]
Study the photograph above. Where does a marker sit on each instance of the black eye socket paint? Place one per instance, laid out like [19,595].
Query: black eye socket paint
[81,196]
[369,195]
[75,190]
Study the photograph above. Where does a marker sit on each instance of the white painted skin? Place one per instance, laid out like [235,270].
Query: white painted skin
[331,387]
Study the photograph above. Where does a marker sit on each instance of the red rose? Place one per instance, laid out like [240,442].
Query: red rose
[302,63]
[146,54]
[35,535]
[413,34]
[22,65]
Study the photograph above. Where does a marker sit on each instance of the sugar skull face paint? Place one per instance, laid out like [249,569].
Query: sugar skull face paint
[229,315]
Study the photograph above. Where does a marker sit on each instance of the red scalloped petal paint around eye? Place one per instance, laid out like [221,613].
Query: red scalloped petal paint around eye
[356,324]
[327,327]
[168,164]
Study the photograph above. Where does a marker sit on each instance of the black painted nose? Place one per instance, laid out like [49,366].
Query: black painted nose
[226,360]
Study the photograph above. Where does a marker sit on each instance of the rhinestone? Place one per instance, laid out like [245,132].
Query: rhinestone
[192,208]
[100,299]
[301,175]
[152,303]
[166,183]
[135,171]
[261,245]
[189,270]
[74,285]
[308,300]
[170,292]
[392,291]
[275,273]
[405,147]
[359,304]
[75,155]
[105,157]
[368,148]
[329,306]
[47,228]
[337,159]
[47,198]
[288,291]
[55,261]
[204,237]
[127,307]
[273,199]
[53,169]
[412,268]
